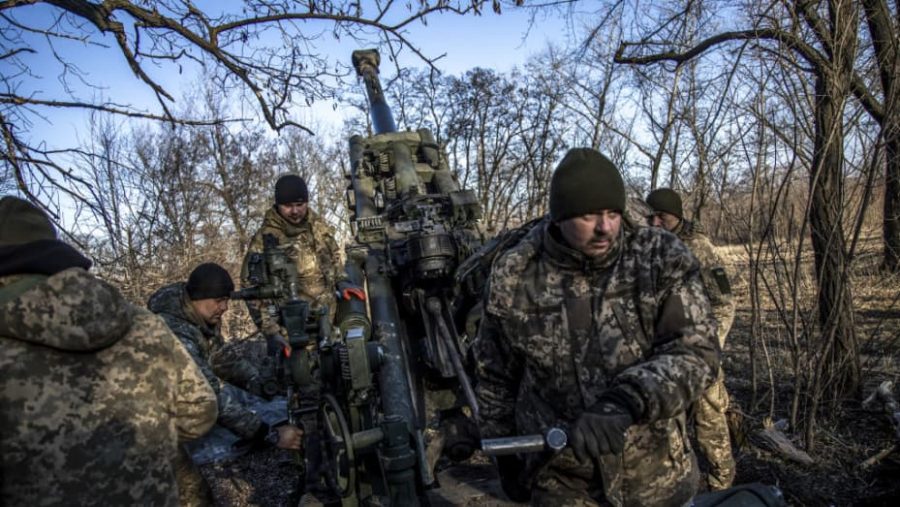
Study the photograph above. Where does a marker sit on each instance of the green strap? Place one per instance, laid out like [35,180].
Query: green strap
[18,287]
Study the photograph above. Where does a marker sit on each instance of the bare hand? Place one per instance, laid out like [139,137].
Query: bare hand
[289,437]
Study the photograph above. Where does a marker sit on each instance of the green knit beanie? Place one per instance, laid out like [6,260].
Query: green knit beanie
[667,200]
[22,222]
[585,182]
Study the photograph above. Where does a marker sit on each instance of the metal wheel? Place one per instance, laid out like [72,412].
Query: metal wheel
[337,448]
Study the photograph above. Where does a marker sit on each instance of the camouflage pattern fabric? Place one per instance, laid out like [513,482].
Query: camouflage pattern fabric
[241,363]
[316,255]
[172,304]
[193,491]
[201,341]
[711,423]
[713,437]
[561,329]
[94,398]
[723,304]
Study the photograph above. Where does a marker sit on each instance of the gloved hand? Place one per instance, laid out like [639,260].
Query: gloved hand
[510,469]
[600,430]
[276,344]
[347,289]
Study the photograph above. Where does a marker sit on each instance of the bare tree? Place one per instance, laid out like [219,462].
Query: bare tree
[832,26]
[883,21]
[266,49]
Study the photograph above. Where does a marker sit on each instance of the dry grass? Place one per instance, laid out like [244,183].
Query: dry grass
[844,439]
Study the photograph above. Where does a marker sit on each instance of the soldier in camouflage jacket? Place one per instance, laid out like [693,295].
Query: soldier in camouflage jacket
[95,394]
[604,331]
[712,425]
[193,311]
[310,242]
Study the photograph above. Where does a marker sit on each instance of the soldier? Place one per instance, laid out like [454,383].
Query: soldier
[309,240]
[193,311]
[711,423]
[95,394]
[605,331]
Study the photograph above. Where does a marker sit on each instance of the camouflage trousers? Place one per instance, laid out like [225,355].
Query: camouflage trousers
[712,434]
[241,364]
[193,491]
[566,482]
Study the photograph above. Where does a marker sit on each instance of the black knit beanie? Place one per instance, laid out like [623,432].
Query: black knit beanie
[667,200]
[291,188]
[209,281]
[585,182]
[28,242]
[22,222]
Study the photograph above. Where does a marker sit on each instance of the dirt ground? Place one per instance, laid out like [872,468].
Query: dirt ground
[845,439]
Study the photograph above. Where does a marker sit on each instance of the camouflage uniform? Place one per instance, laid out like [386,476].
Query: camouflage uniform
[561,329]
[201,341]
[94,398]
[711,423]
[317,257]
[242,363]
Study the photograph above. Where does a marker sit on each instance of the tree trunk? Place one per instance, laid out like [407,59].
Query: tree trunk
[841,374]
[837,369]
[891,223]
[885,32]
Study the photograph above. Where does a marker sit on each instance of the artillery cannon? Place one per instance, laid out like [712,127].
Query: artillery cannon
[367,382]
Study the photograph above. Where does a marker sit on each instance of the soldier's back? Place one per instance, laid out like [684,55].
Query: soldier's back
[94,396]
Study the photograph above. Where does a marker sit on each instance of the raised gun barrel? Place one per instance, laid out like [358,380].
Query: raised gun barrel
[366,62]
[399,350]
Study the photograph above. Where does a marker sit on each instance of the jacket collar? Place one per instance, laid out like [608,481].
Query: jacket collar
[274,220]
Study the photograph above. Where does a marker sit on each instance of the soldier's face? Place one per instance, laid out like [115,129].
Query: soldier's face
[211,309]
[293,212]
[594,234]
[664,220]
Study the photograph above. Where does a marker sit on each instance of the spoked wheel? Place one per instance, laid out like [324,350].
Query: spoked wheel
[337,448]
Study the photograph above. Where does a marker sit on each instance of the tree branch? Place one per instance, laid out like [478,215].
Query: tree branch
[16,100]
[809,53]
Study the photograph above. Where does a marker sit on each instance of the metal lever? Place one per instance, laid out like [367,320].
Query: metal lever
[554,439]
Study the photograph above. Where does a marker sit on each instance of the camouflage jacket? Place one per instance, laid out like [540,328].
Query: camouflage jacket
[712,271]
[172,304]
[561,330]
[315,253]
[95,395]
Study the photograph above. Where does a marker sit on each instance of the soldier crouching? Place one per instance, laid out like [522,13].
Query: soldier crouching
[604,331]
[193,311]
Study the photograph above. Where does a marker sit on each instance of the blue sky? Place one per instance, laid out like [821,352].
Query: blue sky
[489,40]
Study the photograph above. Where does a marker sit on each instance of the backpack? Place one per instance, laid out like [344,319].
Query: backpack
[472,275]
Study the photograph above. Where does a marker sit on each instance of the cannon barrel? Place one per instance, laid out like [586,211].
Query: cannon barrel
[366,62]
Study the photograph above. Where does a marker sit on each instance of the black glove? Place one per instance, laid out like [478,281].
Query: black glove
[600,430]
[276,345]
[510,469]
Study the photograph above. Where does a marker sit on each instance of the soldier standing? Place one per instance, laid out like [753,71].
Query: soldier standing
[95,394]
[193,311]
[310,242]
[602,330]
[711,423]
